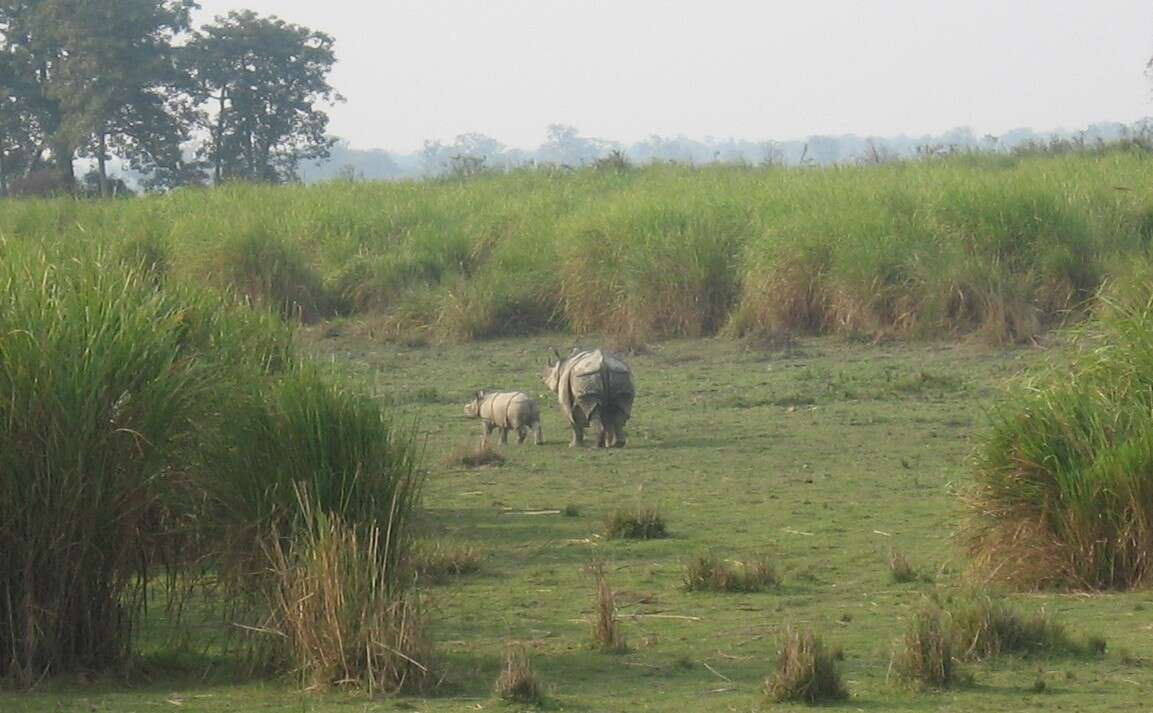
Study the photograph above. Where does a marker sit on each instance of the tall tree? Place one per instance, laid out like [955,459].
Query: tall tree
[118,84]
[263,79]
[29,115]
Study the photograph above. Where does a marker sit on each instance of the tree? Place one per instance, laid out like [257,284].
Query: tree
[118,84]
[263,78]
[29,115]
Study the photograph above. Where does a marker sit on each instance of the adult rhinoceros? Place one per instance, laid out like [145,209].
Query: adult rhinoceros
[593,386]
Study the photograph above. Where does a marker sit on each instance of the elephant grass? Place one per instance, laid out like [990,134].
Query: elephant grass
[1003,248]
[148,427]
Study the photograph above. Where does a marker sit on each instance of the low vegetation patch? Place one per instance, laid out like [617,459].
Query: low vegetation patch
[517,682]
[640,523]
[438,560]
[476,457]
[984,626]
[709,573]
[806,672]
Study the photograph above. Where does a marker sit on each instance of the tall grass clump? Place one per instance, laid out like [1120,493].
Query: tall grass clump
[638,523]
[607,634]
[1064,488]
[146,427]
[806,672]
[110,391]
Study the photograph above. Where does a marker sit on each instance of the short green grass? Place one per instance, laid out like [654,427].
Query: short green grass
[825,458]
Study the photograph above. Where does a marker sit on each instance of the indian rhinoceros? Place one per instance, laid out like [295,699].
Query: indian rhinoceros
[593,386]
[508,411]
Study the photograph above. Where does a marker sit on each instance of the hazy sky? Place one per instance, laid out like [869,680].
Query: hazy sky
[624,69]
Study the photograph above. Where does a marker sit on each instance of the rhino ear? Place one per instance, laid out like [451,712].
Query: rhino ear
[556,354]
[479,395]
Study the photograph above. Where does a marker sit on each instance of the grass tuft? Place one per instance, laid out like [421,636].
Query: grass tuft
[709,573]
[640,523]
[924,656]
[985,627]
[517,682]
[806,672]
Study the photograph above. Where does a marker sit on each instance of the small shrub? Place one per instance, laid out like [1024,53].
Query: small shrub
[437,560]
[924,656]
[607,635]
[481,457]
[517,682]
[642,523]
[571,510]
[806,672]
[709,573]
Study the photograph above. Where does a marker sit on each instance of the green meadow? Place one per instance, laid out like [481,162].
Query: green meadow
[870,395]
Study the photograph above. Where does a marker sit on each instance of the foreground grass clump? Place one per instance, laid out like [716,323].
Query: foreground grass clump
[640,523]
[148,427]
[336,611]
[1064,491]
[517,682]
[925,655]
[476,457]
[111,397]
[806,672]
[709,573]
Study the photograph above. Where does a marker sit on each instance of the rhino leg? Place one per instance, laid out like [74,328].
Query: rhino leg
[602,436]
[619,439]
[521,434]
[504,436]
[487,432]
[578,436]
[539,435]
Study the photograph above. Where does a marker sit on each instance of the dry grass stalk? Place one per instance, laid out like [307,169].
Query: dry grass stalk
[924,656]
[709,573]
[607,635]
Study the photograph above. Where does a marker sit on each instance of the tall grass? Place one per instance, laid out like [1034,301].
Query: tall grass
[148,425]
[999,248]
[1064,489]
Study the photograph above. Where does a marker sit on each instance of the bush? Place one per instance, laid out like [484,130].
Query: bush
[806,672]
[1064,489]
[437,560]
[708,573]
[641,523]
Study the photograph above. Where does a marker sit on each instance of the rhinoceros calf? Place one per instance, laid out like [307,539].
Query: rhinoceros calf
[508,411]
[593,386]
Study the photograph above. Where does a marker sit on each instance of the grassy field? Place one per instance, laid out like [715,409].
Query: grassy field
[1000,245]
[822,454]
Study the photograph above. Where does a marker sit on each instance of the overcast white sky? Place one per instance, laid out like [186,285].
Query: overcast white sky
[625,69]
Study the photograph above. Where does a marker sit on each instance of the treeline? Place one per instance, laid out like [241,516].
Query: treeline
[133,81]
[565,146]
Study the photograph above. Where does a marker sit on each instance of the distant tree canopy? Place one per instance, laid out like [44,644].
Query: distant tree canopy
[131,79]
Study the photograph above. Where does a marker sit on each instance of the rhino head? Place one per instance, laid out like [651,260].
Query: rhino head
[551,373]
[472,408]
